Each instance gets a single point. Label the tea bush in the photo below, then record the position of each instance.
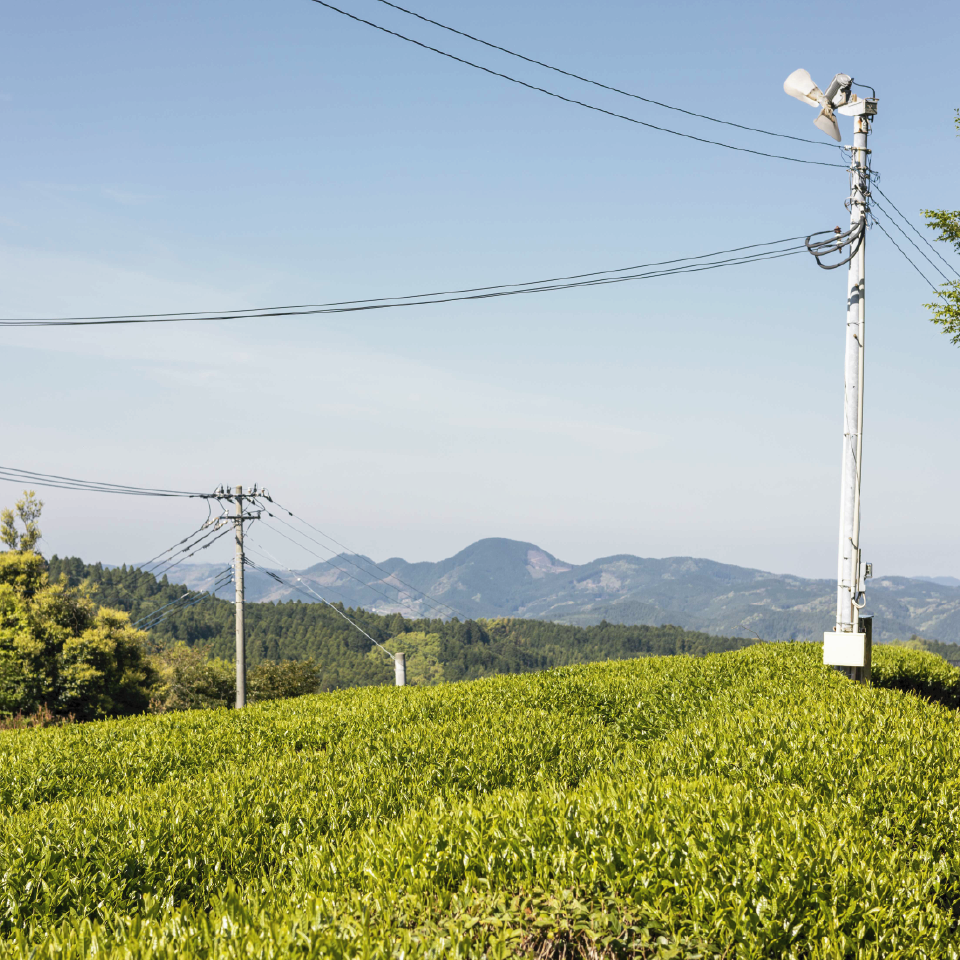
(917, 671)
(751, 804)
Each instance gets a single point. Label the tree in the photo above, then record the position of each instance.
(59, 651)
(423, 666)
(279, 679)
(191, 679)
(28, 510)
(946, 312)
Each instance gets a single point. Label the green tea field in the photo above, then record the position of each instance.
(749, 804)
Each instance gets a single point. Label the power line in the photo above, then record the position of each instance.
(436, 604)
(204, 546)
(416, 614)
(17, 475)
(262, 311)
(579, 103)
(189, 536)
(154, 619)
(595, 278)
(156, 565)
(332, 564)
(327, 602)
(909, 223)
(186, 606)
(912, 264)
(375, 565)
(604, 86)
(910, 240)
(221, 581)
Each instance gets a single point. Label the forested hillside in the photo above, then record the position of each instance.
(436, 649)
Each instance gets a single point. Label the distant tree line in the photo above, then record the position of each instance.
(437, 650)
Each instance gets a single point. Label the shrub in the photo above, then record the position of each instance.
(916, 671)
(281, 679)
(190, 679)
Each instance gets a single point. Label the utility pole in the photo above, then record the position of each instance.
(237, 496)
(238, 604)
(851, 572)
(847, 646)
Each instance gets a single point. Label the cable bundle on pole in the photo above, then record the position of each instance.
(837, 241)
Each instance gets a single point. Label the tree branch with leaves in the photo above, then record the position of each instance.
(946, 311)
(28, 510)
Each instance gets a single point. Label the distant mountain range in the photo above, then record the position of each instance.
(508, 578)
(943, 581)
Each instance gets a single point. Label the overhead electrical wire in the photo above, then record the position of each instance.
(267, 572)
(324, 600)
(189, 536)
(910, 240)
(186, 606)
(186, 556)
(152, 619)
(572, 100)
(604, 86)
(150, 616)
(692, 264)
(152, 566)
(330, 563)
(909, 223)
(222, 580)
(18, 475)
(387, 573)
(406, 603)
(912, 264)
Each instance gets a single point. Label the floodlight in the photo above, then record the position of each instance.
(800, 85)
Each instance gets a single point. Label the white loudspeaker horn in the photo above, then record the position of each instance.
(800, 85)
(827, 122)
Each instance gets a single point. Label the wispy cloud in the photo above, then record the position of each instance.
(128, 198)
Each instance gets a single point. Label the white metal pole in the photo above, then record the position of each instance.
(400, 669)
(238, 578)
(848, 560)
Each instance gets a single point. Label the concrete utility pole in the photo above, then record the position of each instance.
(238, 606)
(237, 496)
(850, 570)
(400, 669)
(847, 646)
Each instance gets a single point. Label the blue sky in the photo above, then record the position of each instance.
(205, 155)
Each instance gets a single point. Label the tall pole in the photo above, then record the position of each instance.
(849, 586)
(238, 606)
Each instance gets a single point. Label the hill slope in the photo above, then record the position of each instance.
(437, 650)
(510, 578)
(680, 807)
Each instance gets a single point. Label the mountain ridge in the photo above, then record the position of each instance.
(499, 577)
